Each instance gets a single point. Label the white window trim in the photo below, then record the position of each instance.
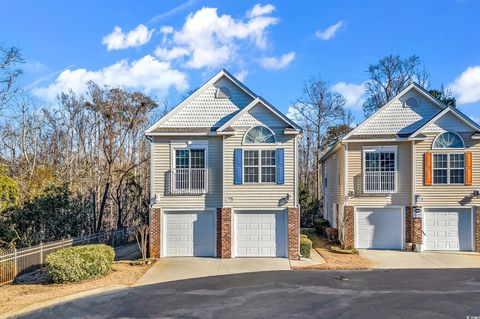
(259, 150)
(444, 148)
(448, 168)
(187, 145)
(265, 144)
(380, 149)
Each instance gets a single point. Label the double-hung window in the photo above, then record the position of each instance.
(259, 166)
(448, 168)
(380, 170)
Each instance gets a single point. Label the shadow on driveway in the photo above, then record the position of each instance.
(286, 294)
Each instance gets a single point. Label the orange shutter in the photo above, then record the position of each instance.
(468, 168)
(428, 169)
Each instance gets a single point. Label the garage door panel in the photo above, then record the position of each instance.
(379, 228)
(189, 234)
(448, 229)
(260, 233)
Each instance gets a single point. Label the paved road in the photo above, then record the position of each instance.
(382, 294)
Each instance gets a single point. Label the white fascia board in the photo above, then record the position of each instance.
(179, 134)
(462, 117)
(386, 140)
(240, 113)
(214, 79)
(252, 104)
(290, 132)
(413, 85)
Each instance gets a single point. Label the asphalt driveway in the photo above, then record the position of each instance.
(433, 293)
(396, 259)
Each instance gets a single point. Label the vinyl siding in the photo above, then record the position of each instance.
(404, 175)
(447, 195)
(255, 195)
(161, 165)
(334, 171)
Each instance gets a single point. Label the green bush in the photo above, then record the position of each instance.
(305, 246)
(80, 262)
(321, 224)
(308, 231)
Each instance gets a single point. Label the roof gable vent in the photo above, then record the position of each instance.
(222, 93)
(412, 102)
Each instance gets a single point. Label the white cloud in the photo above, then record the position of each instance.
(354, 94)
(466, 87)
(146, 74)
(211, 40)
(118, 40)
(273, 63)
(170, 54)
(293, 113)
(259, 10)
(242, 75)
(329, 32)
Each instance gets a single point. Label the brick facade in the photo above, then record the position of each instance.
(417, 234)
(224, 232)
(408, 224)
(293, 233)
(154, 228)
(349, 227)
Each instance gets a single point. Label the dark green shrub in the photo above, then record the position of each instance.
(305, 246)
(80, 262)
(321, 224)
(308, 231)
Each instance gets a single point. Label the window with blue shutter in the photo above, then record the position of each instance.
(280, 166)
(237, 163)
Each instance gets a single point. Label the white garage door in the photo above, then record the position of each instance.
(379, 228)
(260, 234)
(189, 233)
(448, 229)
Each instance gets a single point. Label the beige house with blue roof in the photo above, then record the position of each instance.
(408, 176)
(224, 176)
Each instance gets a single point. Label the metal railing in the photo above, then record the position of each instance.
(15, 262)
(189, 181)
(380, 182)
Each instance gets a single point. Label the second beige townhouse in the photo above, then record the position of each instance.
(408, 177)
(224, 176)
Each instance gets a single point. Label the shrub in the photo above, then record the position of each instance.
(308, 231)
(80, 262)
(321, 224)
(305, 246)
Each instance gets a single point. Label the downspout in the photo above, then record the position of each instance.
(295, 188)
(345, 186)
(413, 188)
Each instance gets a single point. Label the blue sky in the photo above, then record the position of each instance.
(166, 48)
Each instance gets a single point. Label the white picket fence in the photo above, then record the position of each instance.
(21, 261)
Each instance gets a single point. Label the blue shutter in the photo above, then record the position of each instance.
(279, 154)
(237, 164)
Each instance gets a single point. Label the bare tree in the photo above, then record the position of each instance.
(10, 58)
(389, 76)
(316, 111)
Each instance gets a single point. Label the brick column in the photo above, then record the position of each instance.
(293, 233)
(224, 232)
(477, 229)
(408, 224)
(154, 228)
(417, 234)
(349, 227)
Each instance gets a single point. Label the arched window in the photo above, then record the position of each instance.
(259, 135)
(448, 140)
